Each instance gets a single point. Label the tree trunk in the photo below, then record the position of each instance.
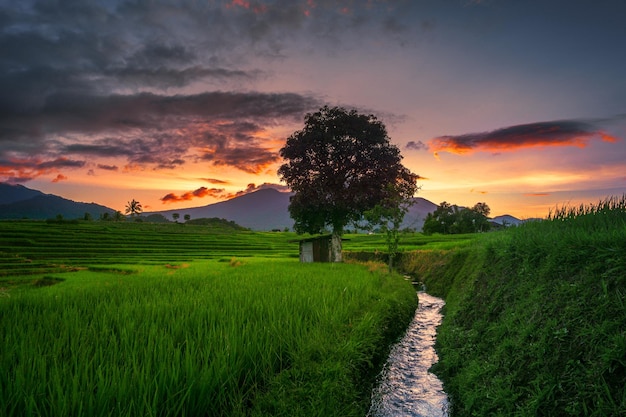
(335, 248)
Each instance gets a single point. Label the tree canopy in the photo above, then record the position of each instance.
(450, 219)
(340, 165)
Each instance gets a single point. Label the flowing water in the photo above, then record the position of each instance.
(405, 386)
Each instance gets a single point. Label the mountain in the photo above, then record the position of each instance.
(19, 202)
(264, 209)
(267, 209)
(414, 218)
(12, 193)
(507, 220)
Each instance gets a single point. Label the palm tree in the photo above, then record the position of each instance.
(133, 207)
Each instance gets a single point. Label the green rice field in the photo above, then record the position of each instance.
(127, 319)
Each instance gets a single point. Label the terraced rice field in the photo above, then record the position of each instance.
(103, 318)
(31, 247)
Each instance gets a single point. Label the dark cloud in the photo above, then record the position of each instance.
(104, 79)
(554, 133)
(108, 46)
(417, 146)
(215, 181)
(161, 77)
(252, 159)
(108, 167)
(60, 163)
(226, 129)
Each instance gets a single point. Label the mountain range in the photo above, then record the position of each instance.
(19, 202)
(265, 209)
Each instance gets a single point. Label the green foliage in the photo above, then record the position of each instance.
(155, 218)
(535, 317)
(449, 218)
(340, 165)
(251, 337)
(388, 215)
(217, 223)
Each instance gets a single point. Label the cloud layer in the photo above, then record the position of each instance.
(553, 133)
(158, 83)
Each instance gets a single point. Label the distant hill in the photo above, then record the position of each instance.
(417, 213)
(507, 220)
(19, 202)
(264, 209)
(13, 193)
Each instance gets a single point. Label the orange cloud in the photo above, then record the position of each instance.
(608, 138)
(478, 192)
(198, 193)
(555, 133)
(536, 194)
(16, 170)
(219, 193)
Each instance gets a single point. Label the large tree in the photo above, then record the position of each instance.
(340, 165)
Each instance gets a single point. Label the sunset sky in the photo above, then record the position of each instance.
(518, 104)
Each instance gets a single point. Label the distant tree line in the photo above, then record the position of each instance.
(451, 219)
(116, 216)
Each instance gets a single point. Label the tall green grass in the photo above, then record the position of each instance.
(535, 321)
(244, 337)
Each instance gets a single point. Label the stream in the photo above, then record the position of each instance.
(405, 387)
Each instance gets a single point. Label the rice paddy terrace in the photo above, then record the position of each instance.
(31, 247)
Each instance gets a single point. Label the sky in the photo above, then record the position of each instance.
(518, 104)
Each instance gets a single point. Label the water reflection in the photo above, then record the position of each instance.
(406, 388)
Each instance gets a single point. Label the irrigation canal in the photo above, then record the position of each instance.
(405, 386)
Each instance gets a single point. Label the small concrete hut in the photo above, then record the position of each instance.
(315, 249)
